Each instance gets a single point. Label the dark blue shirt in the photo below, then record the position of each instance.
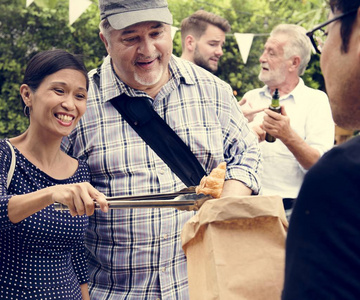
(41, 257)
(323, 243)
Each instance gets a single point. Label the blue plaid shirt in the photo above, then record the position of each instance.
(136, 253)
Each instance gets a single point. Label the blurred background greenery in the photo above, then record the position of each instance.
(45, 24)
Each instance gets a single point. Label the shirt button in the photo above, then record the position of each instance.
(163, 269)
(165, 236)
(158, 299)
(162, 171)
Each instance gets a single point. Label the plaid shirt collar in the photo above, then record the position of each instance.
(114, 86)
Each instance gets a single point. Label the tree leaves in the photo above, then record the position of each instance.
(44, 25)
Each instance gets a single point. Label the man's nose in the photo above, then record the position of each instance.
(146, 47)
(219, 51)
(262, 58)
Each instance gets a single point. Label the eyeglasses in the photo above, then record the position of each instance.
(318, 34)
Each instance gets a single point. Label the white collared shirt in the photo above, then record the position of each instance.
(310, 116)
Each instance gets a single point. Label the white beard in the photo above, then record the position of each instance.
(273, 77)
(148, 79)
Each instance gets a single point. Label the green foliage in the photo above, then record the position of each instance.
(24, 32)
(257, 17)
(44, 25)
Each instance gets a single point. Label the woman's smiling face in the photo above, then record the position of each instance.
(58, 103)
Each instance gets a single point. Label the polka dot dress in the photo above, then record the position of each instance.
(41, 257)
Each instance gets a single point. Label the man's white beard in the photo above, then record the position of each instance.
(273, 77)
(148, 79)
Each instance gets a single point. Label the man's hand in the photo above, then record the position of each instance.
(249, 112)
(278, 125)
(260, 132)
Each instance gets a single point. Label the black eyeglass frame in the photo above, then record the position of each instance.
(310, 33)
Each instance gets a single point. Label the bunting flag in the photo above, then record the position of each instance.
(244, 41)
(28, 2)
(76, 8)
(173, 31)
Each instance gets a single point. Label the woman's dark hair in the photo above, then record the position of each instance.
(49, 62)
(346, 22)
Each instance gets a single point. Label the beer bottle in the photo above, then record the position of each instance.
(274, 106)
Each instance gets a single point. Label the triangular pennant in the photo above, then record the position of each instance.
(173, 31)
(244, 41)
(28, 2)
(76, 8)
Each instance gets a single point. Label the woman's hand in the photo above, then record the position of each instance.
(79, 198)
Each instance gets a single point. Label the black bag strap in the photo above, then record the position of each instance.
(141, 116)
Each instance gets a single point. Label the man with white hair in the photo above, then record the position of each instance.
(304, 130)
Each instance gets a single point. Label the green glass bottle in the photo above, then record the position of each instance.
(274, 106)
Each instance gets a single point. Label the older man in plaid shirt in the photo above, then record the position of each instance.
(136, 253)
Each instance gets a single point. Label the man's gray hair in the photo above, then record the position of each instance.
(106, 29)
(298, 43)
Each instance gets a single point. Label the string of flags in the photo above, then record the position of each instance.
(78, 7)
(243, 40)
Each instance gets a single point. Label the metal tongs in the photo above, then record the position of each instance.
(185, 199)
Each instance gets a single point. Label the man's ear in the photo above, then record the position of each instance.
(190, 43)
(295, 63)
(104, 40)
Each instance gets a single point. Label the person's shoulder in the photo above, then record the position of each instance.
(185, 66)
(316, 92)
(83, 167)
(352, 146)
(337, 169)
(95, 74)
(343, 155)
(5, 151)
(82, 164)
(4, 145)
(312, 98)
(253, 92)
(195, 73)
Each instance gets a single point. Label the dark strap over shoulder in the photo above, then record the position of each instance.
(141, 116)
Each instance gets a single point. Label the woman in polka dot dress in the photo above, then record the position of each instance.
(41, 249)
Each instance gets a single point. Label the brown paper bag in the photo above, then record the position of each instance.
(235, 248)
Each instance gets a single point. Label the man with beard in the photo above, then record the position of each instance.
(137, 253)
(304, 130)
(203, 38)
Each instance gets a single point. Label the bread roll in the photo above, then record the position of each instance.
(214, 182)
